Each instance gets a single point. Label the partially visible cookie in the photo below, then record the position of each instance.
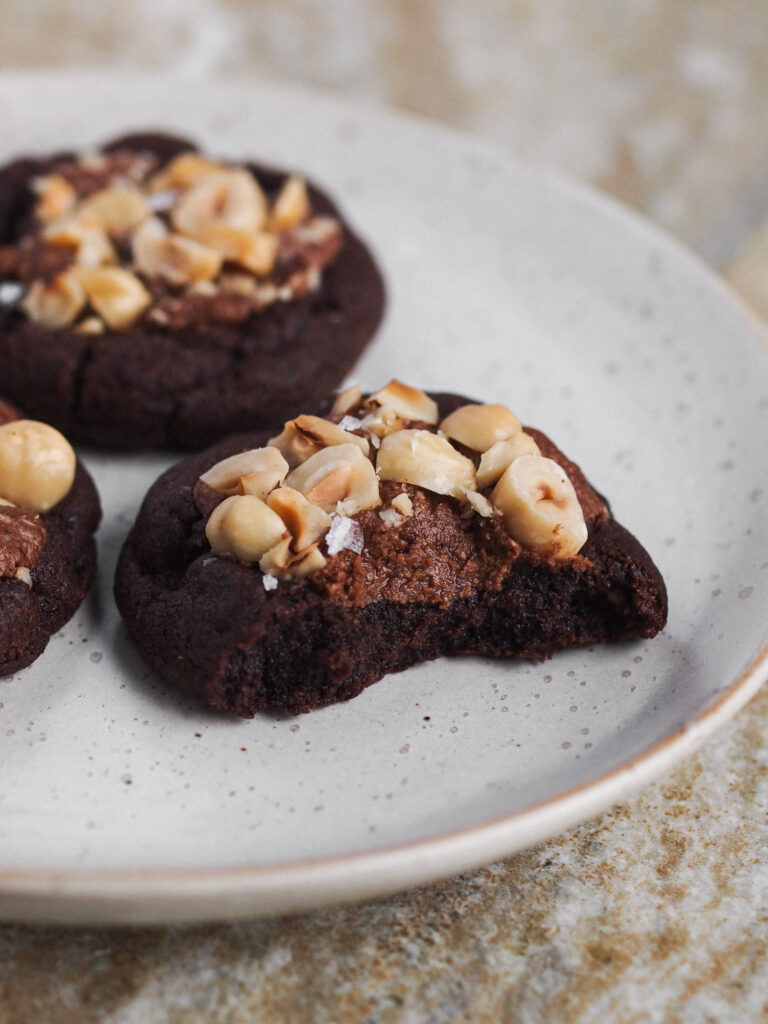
(49, 510)
(290, 572)
(150, 295)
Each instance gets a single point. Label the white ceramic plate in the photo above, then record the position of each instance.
(120, 801)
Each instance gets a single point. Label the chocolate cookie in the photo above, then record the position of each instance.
(152, 296)
(289, 573)
(49, 510)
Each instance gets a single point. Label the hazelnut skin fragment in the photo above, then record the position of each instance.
(22, 539)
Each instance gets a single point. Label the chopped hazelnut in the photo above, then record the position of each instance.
(37, 464)
(116, 210)
(479, 427)
(305, 435)
(254, 250)
(480, 504)
(91, 325)
(306, 522)
(291, 205)
(243, 527)
(57, 304)
(116, 294)
(337, 478)
(281, 560)
(407, 402)
(255, 472)
(228, 199)
(423, 458)
(348, 399)
(184, 171)
(381, 422)
(540, 507)
(402, 502)
(56, 197)
(172, 257)
(494, 461)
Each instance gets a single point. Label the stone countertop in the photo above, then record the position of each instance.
(657, 910)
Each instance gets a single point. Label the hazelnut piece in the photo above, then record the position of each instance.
(243, 527)
(37, 464)
(427, 460)
(291, 205)
(254, 472)
(84, 234)
(172, 257)
(306, 522)
(402, 503)
(496, 459)
(540, 507)
(183, 171)
(254, 250)
(57, 304)
(91, 325)
(306, 435)
(94, 249)
(228, 198)
(281, 560)
(380, 422)
(116, 294)
(479, 427)
(239, 283)
(348, 399)
(407, 402)
(56, 197)
(116, 210)
(340, 474)
(480, 504)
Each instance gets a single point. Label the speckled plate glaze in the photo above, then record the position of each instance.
(122, 802)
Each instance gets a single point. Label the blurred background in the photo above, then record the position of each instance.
(664, 103)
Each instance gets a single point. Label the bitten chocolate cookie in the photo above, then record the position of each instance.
(292, 572)
(49, 510)
(150, 295)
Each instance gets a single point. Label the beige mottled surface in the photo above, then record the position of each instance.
(657, 911)
(662, 102)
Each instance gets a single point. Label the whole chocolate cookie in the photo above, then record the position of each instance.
(49, 510)
(292, 572)
(152, 296)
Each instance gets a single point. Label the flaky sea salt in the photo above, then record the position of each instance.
(160, 202)
(269, 581)
(344, 533)
(10, 292)
(350, 423)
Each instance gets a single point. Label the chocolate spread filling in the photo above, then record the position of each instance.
(442, 552)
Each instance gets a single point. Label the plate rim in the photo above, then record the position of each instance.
(154, 896)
